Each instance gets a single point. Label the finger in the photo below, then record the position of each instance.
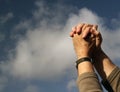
(95, 27)
(86, 25)
(79, 28)
(86, 32)
(74, 29)
(71, 34)
(94, 30)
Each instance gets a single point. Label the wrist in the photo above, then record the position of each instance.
(85, 67)
(97, 53)
(82, 56)
(103, 64)
(82, 60)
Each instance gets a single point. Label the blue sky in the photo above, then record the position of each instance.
(36, 51)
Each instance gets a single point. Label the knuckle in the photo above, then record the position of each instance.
(73, 28)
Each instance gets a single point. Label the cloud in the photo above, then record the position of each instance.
(41, 55)
(4, 19)
(111, 44)
(46, 51)
(32, 88)
(71, 85)
(3, 82)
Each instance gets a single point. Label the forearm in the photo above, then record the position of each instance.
(112, 82)
(103, 64)
(87, 79)
(88, 82)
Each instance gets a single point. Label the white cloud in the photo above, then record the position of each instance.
(43, 54)
(4, 19)
(111, 43)
(46, 51)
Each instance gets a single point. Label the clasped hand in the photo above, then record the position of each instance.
(86, 40)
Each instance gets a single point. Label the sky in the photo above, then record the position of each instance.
(36, 52)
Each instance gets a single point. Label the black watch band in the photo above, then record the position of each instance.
(83, 60)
